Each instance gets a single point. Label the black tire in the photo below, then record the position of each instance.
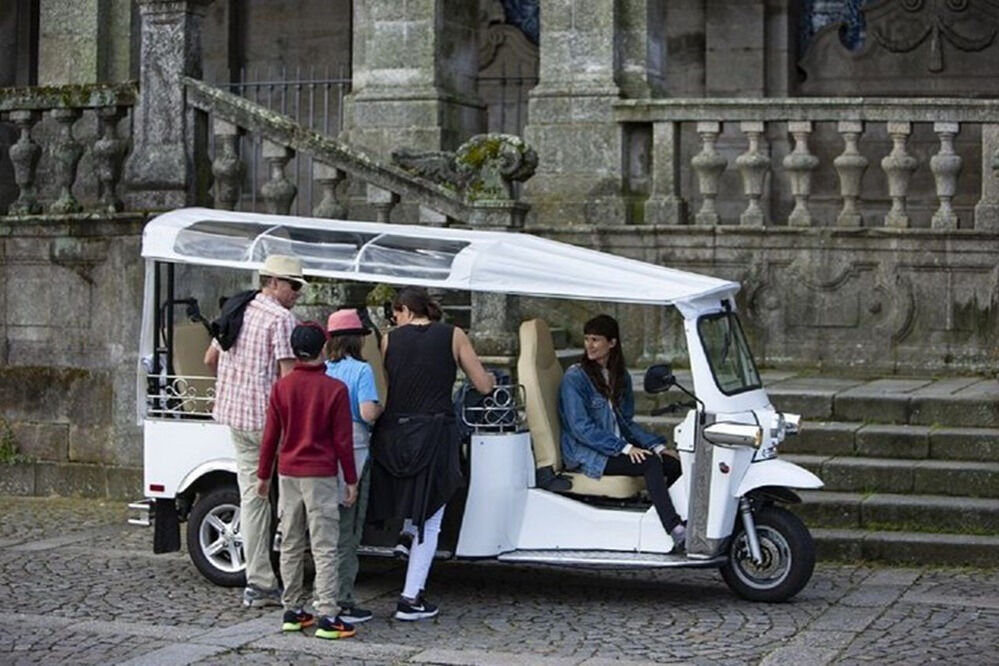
(788, 557)
(214, 509)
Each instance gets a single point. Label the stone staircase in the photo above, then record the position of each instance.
(911, 466)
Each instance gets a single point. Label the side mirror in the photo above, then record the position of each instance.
(659, 378)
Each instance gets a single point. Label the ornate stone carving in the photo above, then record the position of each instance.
(850, 166)
(227, 167)
(799, 164)
(915, 20)
(66, 153)
(708, 165)
(898, 165)
(279, 191)
(24, 156)
(753, 166)
(329, 180)
(987, 208)
(483, 168)
(945, 165)
(109, 152)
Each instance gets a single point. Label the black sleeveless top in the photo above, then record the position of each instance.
(421, 369)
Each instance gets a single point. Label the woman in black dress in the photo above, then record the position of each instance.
(415, 446)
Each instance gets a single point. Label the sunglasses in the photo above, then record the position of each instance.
(295, 286)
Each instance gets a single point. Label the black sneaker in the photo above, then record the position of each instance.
(296, 620)
(403, 545)
(421, 609)
(355, 615)
(332, 628)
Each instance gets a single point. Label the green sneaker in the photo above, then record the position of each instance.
(333, 628)
(296, 620)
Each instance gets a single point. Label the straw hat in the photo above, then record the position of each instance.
(283, 266)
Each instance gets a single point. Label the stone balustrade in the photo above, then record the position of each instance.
(687, 166)
(58, 152)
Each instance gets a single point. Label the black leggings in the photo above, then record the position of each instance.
(659, 473)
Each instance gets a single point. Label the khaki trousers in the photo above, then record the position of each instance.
(254, 511)
(309, 502)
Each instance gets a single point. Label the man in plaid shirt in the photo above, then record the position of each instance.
(246, 372)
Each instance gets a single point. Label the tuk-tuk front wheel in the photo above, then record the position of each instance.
(787, 563)
(213, 537)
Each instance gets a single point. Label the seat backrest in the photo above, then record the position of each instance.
(540, 373)
(373, 355)
(190, 340)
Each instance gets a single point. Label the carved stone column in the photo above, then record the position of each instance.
(946, 165)
(329, 179)
(799, 164)
(158, 172)
(66, 153)
(108, 153)
(279, 191)
(850, 165)
(753, 166)
(24, 156)
(708, 165)
(227, 167)
(898, 165)
(665, 205)
(987, 208)
(383, 202)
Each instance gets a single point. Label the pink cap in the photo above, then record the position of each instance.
(346, 322)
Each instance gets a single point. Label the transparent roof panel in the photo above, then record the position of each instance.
(403, 256)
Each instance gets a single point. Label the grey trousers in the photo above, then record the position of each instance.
(351, 531)
(254, 511)
(309, 502)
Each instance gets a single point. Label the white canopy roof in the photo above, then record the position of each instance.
(512, 263)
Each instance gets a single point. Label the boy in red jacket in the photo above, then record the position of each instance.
(309, 416)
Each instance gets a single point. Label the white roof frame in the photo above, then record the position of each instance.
(503, 262)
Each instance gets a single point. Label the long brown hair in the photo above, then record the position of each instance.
(419, 303)
(613, 387)
(342, 346)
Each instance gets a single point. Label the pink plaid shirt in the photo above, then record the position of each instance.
(249, 369)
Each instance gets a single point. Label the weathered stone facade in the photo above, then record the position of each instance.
(702, 135)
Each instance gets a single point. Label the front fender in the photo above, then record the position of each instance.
(218, 465)
(776, 473)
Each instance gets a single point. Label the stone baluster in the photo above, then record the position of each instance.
(66, 153)
(945, 165)
(329, 179)
(850, 166)
(228, 169)
(665, 205)
(987, 208)
(24, 156)
(383, 202)
(708, 165)
(799, 164)
(898, 165)
(753, 166)
(109, 154)
(279, 191)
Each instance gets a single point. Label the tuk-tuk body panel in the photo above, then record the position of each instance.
(176, 449)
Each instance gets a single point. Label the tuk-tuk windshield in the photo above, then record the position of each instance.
(728, 353)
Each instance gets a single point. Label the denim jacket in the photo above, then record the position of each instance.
(588, 437)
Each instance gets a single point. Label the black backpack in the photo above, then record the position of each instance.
(226, 327)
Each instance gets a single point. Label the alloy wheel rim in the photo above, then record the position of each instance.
(220, 539)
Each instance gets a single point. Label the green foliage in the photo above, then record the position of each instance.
(8, 445)
(380, 294)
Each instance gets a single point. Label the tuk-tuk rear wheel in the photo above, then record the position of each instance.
(213, 537)
(788, 557)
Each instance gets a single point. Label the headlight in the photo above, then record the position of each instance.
(734, 434)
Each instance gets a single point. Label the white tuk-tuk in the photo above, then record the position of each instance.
(733, 485)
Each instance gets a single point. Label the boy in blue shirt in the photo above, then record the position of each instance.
(348, 365)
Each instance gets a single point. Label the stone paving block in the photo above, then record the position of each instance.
(837, 544)
(17, 479)
(42, 441)
(124, 483)
(965, 444)
(975, 405)
(920, 549)
(968, 479)
(878, 401)
(868, 475)
(823, 508)
(833, 438)
(930, 513)
(70, 479)
(893, 441)
(487, 658)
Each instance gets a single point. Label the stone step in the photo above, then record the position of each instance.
(845, 438)
(888, 511)
(890, 475)
(907, 548)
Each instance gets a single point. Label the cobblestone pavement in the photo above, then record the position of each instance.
(83, 587)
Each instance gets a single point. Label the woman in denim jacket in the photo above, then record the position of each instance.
(599, 435)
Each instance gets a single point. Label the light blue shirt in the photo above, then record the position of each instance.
(360, 381)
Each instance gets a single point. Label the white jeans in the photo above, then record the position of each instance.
(421, 556)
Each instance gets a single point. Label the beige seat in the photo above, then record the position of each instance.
(539, 371)
(190, 340)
